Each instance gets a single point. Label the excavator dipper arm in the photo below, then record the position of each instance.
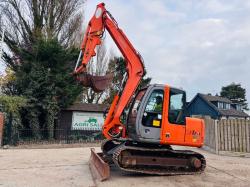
(102, 20)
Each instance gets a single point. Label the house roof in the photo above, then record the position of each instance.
(86, 107)
(223, 112)
(233, 113)
(215, 98)
(203, 96)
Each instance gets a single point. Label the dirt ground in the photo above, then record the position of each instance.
(69, 167)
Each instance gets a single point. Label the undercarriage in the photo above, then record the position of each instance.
(145, 158)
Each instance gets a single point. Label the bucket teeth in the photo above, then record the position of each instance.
(97, 83)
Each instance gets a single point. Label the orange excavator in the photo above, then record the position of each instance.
(154, 118)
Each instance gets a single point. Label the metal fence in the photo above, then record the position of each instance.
(62, 136)
(231, 135)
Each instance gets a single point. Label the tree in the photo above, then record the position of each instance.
(117, 66)
(10, 106)
(40, 35)
(236, 94)
(27, 21)
(45, 80)
(6, 82)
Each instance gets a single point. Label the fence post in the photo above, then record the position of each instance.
(247, 135)
(1, 128)
(67, 136)
(217, 140)
(9, 129)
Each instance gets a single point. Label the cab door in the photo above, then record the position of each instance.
(173, 128)
(150, 118)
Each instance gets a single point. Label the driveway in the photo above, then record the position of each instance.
(69, 167)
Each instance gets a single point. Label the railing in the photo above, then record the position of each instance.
(62, 136)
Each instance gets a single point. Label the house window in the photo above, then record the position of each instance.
(220, 105)
(227, 106)
(238, 107)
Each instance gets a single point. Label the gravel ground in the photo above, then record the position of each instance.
(69, 167)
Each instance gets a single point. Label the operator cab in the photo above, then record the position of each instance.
(147, 111)
(158, 115)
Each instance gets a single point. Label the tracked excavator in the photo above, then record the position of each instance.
(142, 124)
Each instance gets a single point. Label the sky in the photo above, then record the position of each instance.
(196, 45)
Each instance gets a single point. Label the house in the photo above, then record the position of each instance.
(216, 107)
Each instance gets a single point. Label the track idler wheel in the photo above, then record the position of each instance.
(195, 162)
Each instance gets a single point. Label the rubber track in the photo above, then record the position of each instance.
(161, 171)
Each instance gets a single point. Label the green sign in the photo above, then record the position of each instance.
(87, 121)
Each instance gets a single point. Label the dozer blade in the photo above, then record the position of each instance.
(97, 83)
(100, 170)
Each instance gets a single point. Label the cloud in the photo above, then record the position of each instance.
(198, 45)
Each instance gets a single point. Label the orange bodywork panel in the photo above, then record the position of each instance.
(189, 134)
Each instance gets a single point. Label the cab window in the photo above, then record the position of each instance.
(176, 106)
(152, 114)
(135, 107)
(136, 104)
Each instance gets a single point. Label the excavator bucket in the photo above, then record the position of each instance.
(97, 83)
(100, 170)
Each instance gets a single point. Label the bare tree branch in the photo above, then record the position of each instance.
(47, 19)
